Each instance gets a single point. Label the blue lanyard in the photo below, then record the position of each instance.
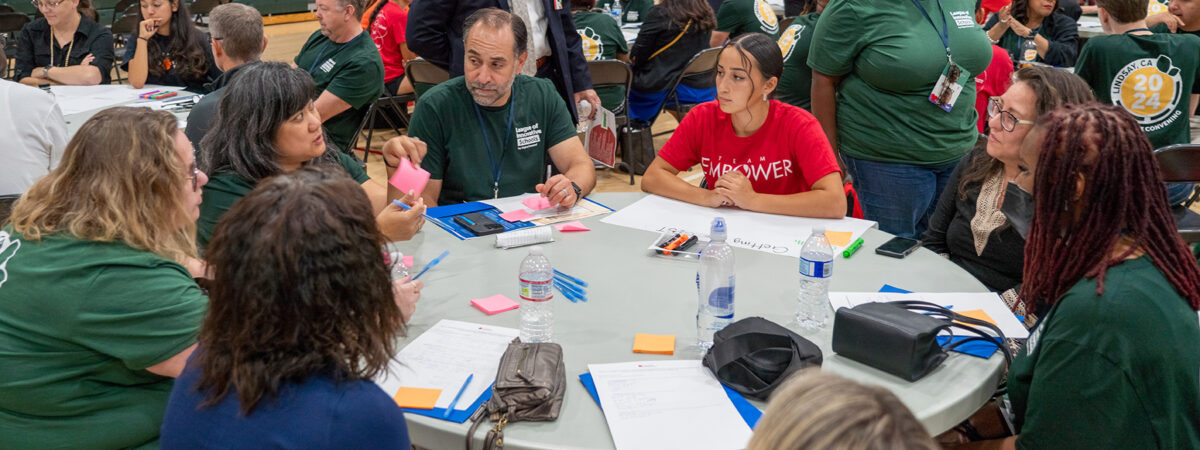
(326, 47)
(944, 33)
(497, 167)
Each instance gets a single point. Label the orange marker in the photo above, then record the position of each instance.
(676, 243)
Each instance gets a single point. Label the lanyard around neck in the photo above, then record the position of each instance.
(66, 59)
(943, 33)
(497, 166)
(317, 61)
(1137, 30)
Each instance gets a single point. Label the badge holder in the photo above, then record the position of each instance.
(948, 87)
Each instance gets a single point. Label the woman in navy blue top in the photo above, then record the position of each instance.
(301, 316)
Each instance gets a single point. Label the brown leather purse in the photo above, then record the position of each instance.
(530, 383)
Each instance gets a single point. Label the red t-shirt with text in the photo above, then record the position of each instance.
(388, 33)
(786, 156)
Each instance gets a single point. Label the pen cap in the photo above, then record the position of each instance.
(718, 229)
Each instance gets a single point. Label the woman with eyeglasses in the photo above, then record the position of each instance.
(63, 47)
(968, 226)
(166, 49)
(98, 307)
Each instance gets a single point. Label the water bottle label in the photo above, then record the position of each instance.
(816, 269)
(536, 291)
(722, 297)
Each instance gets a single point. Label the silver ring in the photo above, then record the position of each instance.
(564, 192)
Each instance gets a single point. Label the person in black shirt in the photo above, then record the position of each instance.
(63, 47)
(237, 40)
(167, 49)
(674, 32)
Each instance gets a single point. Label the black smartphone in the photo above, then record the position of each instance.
(479, 224)
(898, 247)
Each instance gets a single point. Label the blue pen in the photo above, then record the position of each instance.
(453, 403)
(574, 289)
(569, 294)
(570, 278)
(431, 264)
(406, 208)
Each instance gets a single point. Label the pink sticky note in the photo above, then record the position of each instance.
(408, 262)
(572, 226)
(536, 203)
(516, 216)
(409, 178)
(495, 304)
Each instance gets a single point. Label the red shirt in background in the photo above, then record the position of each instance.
(992, 82)
(992, 6)
(388, 33)
(786, 156)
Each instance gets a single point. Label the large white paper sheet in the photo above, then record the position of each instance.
(667, 404)
(770, 233)
(989, 302)
(443, 356)
(77, 99)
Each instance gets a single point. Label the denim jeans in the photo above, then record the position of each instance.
(900, 197)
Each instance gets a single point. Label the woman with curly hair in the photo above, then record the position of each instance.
(167, 49)
(301, 316)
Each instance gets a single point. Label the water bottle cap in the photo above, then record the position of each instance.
(718, 225)
(818, 229)
(535, 250)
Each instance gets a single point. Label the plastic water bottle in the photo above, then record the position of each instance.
(714, 280)
(584, 108)
(537, 281)
(1028, 52)
(616, 10)
(816, 266)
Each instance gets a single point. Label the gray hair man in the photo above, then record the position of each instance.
(237, 40)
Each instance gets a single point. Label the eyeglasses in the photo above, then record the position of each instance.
(48, 4)
(195, 176)
(1007, 119)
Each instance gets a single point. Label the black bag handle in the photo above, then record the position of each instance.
(731, 350)
(957, 320)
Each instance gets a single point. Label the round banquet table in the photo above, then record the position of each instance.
(632, 292)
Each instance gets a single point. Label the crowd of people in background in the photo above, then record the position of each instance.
(953, 121)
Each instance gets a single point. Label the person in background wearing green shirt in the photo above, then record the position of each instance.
(634, 11)
(744, 16)
(268, 124)
(346, 67)
(487, 133)
(1113, 363)
(602, 39)
(795, 88)
(98, 306)
(871, 89)
(1153, 76)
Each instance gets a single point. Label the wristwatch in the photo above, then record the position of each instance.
(578, 191)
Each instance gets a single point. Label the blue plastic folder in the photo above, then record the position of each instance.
(443, 216)
(748, 412)
(976, 348)
(459, 415)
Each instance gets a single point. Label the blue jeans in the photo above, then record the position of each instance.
(900, 197)
(644, 106)
(1177, 193)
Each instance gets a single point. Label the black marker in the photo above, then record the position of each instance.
(686, 245)
(664, 243)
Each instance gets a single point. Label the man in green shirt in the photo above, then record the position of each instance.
(795, 86)
(602, 39)
(346, 67)
(488, 133)
(744, 16)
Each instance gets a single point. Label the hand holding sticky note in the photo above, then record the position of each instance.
(657, 344)
(417, 398)
(409, 178)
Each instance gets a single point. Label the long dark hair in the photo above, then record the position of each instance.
(1020, 10)
(375, 13)
(1074, 232)
(698, 11)
(186, 49)
(1052, 88)
(262, 96)
(299, 289)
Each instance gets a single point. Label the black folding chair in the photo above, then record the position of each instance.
(1180, 163)
(610, 73)
(10, 26)
(201, 8)
(423, 75)
(6, 204)
(397, 103)
(703, 64)
(124, 23)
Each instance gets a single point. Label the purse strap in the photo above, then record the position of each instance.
(957, 320)
(673, 41)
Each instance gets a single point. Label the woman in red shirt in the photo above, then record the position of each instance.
(387, 23)
(757, 154)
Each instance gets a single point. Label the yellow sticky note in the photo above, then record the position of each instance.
(417, 398)
(978, 314)
(658, 344)
(838, 238)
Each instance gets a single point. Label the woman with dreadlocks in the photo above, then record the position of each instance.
(1115, 360)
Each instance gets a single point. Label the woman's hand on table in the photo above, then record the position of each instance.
(406, 294)
(734, 186)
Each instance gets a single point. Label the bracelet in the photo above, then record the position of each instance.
(143, 39)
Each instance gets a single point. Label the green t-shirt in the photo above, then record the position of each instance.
(634, 11)
(457, 153)
(1119, 370)
(795, 86)
(226, 188)
(353, 71)
(747, 16)
(1150, 76)
(80, 321)
(890, 57)
(602, 39)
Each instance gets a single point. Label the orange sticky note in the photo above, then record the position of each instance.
(417, 398)
(978, 314)
(838, 238)
(658, 344)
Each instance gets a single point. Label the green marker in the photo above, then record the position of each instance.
(849, 251)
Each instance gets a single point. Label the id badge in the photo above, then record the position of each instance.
(949, 85)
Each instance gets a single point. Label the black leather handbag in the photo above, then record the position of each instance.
(900, 338)
(754, 355)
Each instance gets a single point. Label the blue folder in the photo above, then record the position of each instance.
(443, 216)
(459, 415)
(749, 413)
